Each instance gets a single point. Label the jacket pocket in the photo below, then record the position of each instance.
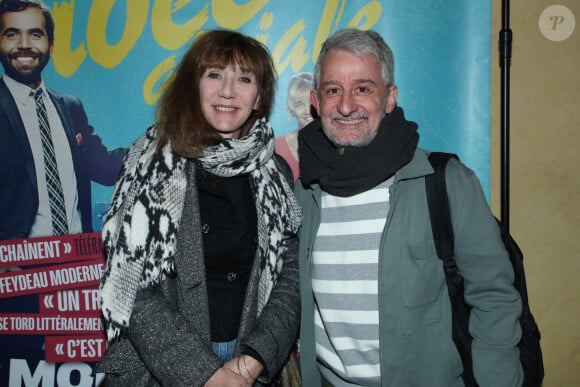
(430, 357)
(123, 367)
(138, 377)
(421, 275)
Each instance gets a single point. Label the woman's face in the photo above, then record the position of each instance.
(301, 110)
(228, 97)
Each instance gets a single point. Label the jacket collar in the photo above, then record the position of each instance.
(419, 166)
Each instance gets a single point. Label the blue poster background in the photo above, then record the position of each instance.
(441, 48)
(115, 55)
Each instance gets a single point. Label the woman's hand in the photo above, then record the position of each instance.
(245, 366)
(224, 377)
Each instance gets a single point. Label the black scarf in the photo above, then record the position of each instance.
(349, 170)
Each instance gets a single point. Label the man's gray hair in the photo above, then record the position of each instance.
(361, 43)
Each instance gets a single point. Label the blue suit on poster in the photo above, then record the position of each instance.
(26, 45)
(19, 194)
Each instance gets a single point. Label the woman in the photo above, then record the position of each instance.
(201, 283)
(298, 106)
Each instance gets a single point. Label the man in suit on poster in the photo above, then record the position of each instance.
(78, 157)
(26, 43)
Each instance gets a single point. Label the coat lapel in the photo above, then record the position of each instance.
(67, 124)
(189, 261)
(17, 126)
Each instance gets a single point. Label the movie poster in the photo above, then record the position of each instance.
(115, 56)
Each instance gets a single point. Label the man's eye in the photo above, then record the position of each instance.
(332, 91)
(362, 90)
(37, 35)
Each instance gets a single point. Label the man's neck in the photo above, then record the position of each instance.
(33, 84)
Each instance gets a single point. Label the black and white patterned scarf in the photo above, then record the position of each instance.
(141, 226)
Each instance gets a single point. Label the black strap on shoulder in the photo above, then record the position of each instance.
(439, 211)
(441, 225)
(439, 205)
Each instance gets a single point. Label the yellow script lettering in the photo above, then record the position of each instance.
(297, 56)
(107, 55)
(324, 26)
(169, 35)
(153, 80)
(66, 62)
(370, 12)
(228, 14)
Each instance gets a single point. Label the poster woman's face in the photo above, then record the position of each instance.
(301, 110)
(228, 96)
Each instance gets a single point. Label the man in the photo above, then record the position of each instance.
(375, 309)
(26, 43)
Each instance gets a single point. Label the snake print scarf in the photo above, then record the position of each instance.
(141, 225)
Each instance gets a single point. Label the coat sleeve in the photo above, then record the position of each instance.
(276, 329)
(484, 263)
(102, 164)
(171, 350)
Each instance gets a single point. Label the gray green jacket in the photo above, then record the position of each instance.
(416, 348)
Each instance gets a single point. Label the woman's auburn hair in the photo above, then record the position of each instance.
(179, 118)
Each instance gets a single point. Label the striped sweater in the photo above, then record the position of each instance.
(344, 282)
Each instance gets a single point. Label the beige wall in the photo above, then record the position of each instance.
(545, 176)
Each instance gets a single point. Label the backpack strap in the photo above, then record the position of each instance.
(440, 215)
(439, 212)
(439, 205)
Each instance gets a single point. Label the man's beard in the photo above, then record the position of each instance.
(364, 140)
(25, 74)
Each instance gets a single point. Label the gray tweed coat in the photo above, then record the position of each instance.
(168, 341)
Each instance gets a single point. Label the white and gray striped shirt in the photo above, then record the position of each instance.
(344, 282)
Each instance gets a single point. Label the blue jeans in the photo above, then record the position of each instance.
(224, 350)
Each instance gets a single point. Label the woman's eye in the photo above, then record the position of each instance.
(245, 79)
(213, 75)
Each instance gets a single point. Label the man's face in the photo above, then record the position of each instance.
(352, 98)
(24, 47)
